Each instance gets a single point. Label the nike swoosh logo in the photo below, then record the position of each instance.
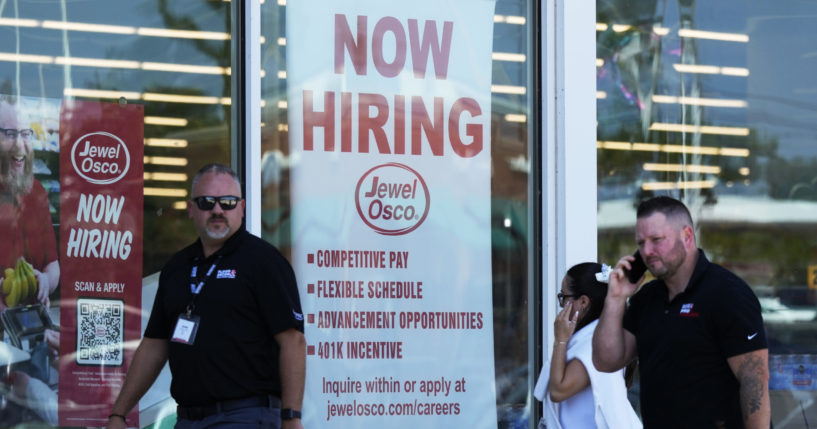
(749, 337)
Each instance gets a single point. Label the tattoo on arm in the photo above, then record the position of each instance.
(751, 383)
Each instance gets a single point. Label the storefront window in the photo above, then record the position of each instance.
(171, 60)
(508, 209)
(712, 103)
(172, 57)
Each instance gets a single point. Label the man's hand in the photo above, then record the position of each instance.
(43, 288)
(48, 280)
(52, 338)
(613, 346)
(619, 286)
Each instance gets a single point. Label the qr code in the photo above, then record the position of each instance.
(100, 330)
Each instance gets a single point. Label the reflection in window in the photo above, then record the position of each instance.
(173, 57)
(713, 102)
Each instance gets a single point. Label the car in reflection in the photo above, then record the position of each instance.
(513, 409)
(774, 311)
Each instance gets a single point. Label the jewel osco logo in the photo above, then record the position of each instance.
(392, 199)
(101, 158)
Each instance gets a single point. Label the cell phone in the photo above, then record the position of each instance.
(638, 268)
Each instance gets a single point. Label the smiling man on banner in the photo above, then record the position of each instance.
(29, 268)
(25, 218)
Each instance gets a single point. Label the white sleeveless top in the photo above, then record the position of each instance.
(578, 411)
(603, 405)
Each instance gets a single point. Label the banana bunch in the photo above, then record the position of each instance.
(20, 283)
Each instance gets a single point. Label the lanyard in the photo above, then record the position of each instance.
(195, 288)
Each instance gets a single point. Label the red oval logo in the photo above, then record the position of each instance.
(100, 158)
(392, 199)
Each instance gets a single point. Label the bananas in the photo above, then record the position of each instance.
(20, 283)
(8, 281)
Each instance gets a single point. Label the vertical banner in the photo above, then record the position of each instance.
(101, 180)
(389, 122)
(29, 263)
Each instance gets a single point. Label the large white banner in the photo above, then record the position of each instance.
(389, 122)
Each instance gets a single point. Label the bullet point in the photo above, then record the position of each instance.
(310, 258)
(310, 288)
(310, 318)
(310, 350)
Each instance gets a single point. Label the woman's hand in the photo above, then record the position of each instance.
(565, 324)
(566, 378)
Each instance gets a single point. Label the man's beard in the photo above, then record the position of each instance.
(16, 184)
(673, 261)
(218, 235)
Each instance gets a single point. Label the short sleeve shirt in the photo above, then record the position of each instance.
(683, 347)
(250, 296)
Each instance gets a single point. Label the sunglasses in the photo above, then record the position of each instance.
(562, 297)
(226, 202)
(13, 133)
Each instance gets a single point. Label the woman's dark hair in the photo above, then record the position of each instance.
(581, 280)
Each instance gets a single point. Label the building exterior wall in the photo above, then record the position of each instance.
(593, 107)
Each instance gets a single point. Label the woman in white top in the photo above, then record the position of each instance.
(576, 395)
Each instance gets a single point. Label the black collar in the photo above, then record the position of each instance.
(229, 246)
(698, 273)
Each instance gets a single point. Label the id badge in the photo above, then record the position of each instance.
(186, 328)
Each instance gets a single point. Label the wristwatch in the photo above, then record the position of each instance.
(289, 414)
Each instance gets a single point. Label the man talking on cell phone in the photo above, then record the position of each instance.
(696, 330)
(227, 317)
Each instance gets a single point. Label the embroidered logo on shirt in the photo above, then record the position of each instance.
(749, 337)
(225, 274)
(686, 310)
(298, 316)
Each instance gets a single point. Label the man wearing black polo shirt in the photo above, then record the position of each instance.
(227, 317)
(697, 330)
